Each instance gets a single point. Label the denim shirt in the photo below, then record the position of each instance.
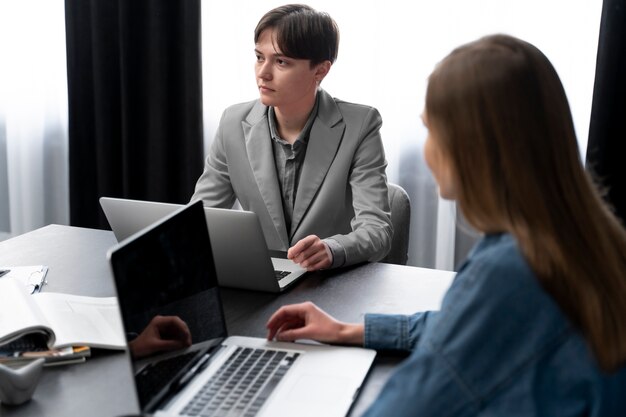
(499, 346)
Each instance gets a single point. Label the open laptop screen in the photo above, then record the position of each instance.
(155, 271)
(168, 270)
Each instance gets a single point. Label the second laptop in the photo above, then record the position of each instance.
(241, 255)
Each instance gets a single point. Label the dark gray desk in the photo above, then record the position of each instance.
(102, 385)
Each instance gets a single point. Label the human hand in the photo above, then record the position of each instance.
(311, 253)
(307, 321)
(162, 334)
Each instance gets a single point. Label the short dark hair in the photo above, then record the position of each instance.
(302, 32)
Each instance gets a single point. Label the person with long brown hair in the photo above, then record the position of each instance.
(534, 323)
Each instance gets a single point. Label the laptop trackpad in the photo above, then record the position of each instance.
(311, 387)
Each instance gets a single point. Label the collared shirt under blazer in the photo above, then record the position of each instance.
(342, 193)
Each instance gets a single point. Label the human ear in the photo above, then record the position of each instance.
(321, 70)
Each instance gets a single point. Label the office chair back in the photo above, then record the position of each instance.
(401, 221)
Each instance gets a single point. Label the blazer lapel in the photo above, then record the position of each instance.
(261, 158)
(324, 139)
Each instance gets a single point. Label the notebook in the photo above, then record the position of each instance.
(239, 249)
(165, 271)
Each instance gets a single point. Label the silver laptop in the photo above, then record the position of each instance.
(165, 271)
(239, 248)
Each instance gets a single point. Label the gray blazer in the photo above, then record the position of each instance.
(342, 192)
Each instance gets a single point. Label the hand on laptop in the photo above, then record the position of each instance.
(311, 253)
(162, 334)
(308, 321)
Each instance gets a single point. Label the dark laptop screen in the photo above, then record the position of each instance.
(168, 270)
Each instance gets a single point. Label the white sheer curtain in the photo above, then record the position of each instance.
(33, 116)
(387, 50)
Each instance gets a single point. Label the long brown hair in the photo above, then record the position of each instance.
(502, 116)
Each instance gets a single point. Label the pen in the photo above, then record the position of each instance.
(3, 272)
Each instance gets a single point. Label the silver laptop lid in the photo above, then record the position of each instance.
(241, 255)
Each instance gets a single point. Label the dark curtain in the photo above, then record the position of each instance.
(135, 102)
(606, 157)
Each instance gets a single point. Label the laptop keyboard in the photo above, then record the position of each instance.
(281, 274)
(242, 384)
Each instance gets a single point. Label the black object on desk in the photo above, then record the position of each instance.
(3, 272)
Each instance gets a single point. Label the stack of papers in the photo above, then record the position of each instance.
(62, 328)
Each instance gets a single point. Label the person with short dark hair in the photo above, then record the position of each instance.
(534, 323)
(312, 167)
